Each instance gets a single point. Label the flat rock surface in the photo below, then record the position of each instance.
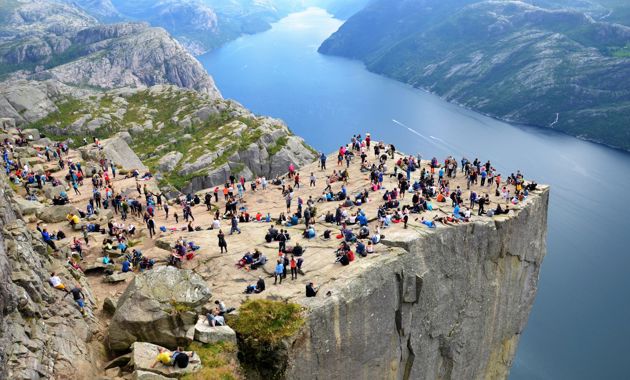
(143, 356)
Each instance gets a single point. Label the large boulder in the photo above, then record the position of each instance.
(158, 306)
(55, 214)
(118, 277)
(205, 333)
(51, 191)
(114, 149)
(28, 207)
(169, 161)
(143, 356)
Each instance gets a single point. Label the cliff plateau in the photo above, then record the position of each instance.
(451, 305)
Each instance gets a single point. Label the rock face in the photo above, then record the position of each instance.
(28, 101)
(116, 150)
(42, 335)
(140, 56)
(451, 307)
(55, 214)
(159, 306)
(48, 40)
(269, 154)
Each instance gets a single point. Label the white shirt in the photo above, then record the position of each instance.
(55, 281)
(216, 224)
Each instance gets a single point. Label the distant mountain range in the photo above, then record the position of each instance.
(203, 25)
(561, 64)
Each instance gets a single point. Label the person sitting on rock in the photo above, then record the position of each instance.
(126, 265)
(73, 219)
(360, 248)
(258, 260)
(222, 308)
(309, 233)
(214, 319)
(56, 282)
(311, 290)
(258, 288)
(177, 358)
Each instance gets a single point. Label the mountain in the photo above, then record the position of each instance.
(549, 67)
(70, 76)
(51, 40)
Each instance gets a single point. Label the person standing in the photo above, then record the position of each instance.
(151, 227)
(322, 161)
(222, 242)
(234, 225)
(293, 265)
(312, 184)
(278, 272)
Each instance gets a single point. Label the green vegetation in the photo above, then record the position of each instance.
(268, 322)
(621, 52)
(278, 145)
(170, 112)
(180, 307)
(217, 360)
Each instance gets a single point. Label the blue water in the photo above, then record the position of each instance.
(579, 327)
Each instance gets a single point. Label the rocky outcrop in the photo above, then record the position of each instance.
(143, 356)
(269, 155)
(141, 56)
(42, 334)
(28, 101)
(207, 334)
(49, 40)
(451, 305)
(55, 214)
(159, 306)
(115, 150)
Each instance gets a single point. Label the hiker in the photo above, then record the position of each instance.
(48, 239)
(311, 290)
(56, 282)
(293, 266)
(222, 308)
(214, 319)
(79, 298)
(234, 227)
(222, 242)
(177, 358)
(151, 227)
(279, 272)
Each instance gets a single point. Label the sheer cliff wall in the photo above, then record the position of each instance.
(451, 305)
(42, 334)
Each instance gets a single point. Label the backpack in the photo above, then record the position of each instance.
(181, 360)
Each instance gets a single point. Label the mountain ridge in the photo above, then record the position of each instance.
(549, 68)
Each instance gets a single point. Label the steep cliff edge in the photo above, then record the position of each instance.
(42, 334)
(450, 305)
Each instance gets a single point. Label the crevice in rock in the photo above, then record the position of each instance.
(411, 356)
(446, 364)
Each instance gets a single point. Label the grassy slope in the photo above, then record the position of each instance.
(167, 110)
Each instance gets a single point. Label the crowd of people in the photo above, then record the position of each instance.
(399, 191)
